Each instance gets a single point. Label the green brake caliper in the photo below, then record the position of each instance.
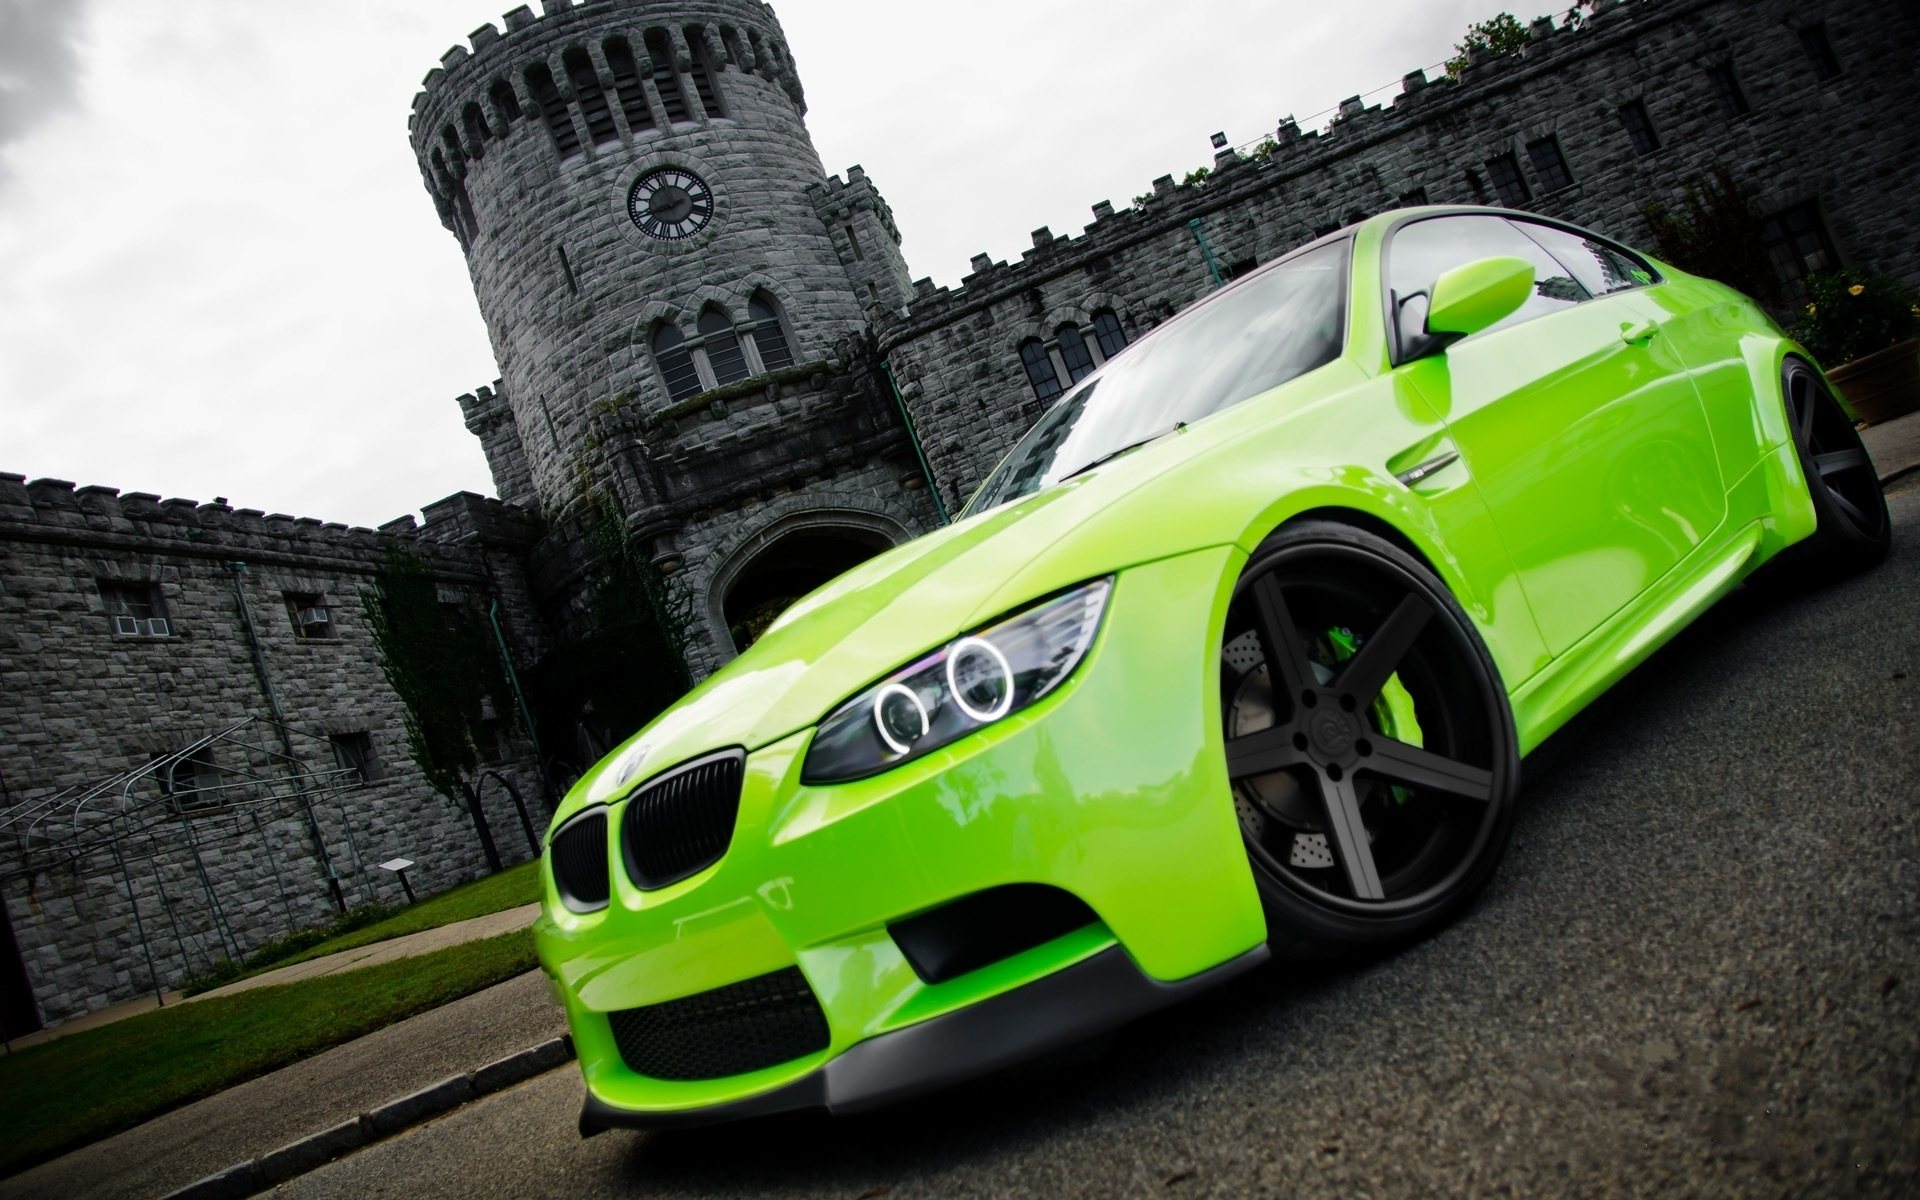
(1392, 711)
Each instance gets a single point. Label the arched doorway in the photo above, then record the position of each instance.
(787, 561)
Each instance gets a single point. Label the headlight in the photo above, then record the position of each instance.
(970, 682)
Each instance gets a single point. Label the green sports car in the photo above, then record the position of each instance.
(1235, 654)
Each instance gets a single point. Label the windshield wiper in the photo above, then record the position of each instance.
(1110, 455)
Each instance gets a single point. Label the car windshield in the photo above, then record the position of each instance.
(1279, 324)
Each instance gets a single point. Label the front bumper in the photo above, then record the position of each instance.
(1113, 789)
(1086, 999)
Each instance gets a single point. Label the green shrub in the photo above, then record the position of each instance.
(1852, 313)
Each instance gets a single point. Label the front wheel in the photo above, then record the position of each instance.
(1854, 531)
(1368, 738)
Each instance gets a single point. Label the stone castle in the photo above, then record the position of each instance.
(704, 334)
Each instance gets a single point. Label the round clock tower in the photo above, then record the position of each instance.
(676, 293)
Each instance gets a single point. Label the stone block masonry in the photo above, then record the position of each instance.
(1550, 130)
(88, 697)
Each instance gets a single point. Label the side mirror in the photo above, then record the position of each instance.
(1472, 297)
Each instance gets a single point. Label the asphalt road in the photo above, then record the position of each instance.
(1698, 972)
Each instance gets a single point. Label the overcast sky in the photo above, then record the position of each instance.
(220, 274)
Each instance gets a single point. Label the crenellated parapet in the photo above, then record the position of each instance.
(861, 224)
(588, 75)
(1329, 164)
(113, 522)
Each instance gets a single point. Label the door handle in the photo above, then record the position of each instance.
(1638, 332)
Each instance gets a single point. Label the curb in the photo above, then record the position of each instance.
(395, 1116)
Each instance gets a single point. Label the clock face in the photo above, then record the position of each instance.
(670, 204)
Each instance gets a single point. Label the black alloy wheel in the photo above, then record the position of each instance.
(1854, 531)
(1368, 738)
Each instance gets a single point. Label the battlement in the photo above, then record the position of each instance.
(481, 88)
(56, 510)
(837, 199)
(1276, 160)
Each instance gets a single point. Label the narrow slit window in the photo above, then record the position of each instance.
(626, 84)
(1639, 126)
(1040, 371)
(675, 361)
(1726, 87)
(666, 80)
(723, 347)
(1549, 164)
(1819, 48)
(593, 101)
(504, 101)
(476, 127)
(566, 269)
(566, 139)
(853, 241)
(704, 84)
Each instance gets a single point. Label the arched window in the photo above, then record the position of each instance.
(504, 101)
(626, 84)
(765, 332)
(1040, 372)
(566, 140)
(704, 84)
(1107, 333)
(675, 361)
(476, 127)
(1074, 353)
(723, 347)
(593, 101)
(665, 78)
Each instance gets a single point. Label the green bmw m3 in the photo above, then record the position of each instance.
(1236, 654)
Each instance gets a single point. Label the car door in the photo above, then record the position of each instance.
(1580, 426)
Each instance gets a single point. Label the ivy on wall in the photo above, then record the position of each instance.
(443, 665)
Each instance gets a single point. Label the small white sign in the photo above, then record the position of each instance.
(396, 864)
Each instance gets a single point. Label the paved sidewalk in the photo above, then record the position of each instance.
(1894, 446)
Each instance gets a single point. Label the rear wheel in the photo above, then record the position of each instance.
(1368, 738)
(1854, 530)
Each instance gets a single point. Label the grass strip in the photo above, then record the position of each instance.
(83, 1087)
(506, 889)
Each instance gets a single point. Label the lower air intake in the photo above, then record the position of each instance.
(731, 1030)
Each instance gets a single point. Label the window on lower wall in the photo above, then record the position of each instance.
(765, 332)
(1074, 353)
(310, 614)
(1726, 88)
(1549, 164)
(189, 782)
(1107, 333)
(1639, 126)
(1819, 48)
(354, 752)
(722, 351)
(134, 609)
(1798, 245)
(1509, 185)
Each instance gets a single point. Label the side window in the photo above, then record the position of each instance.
(1425, 250)
(1600, 268)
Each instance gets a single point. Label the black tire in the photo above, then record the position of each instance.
(1855, 531)
(1360, 839)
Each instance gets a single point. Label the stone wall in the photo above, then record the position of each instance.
(83, 702)
(1845, 144)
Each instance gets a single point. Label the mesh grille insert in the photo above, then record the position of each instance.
(681, 822)
(579, 856)
(730, 1030)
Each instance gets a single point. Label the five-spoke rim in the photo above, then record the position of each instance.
(1838, 463)
(1403, 817)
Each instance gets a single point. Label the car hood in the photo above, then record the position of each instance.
(889, 610)
(878, 616)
